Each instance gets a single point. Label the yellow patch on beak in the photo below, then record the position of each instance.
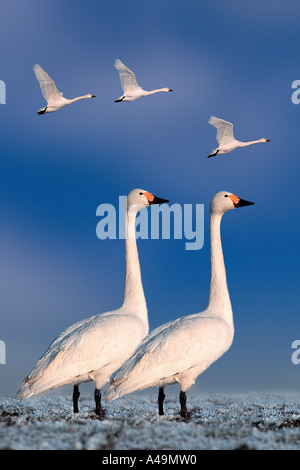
(234, 199)
(149, 197)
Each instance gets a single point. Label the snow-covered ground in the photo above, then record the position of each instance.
(242, 421)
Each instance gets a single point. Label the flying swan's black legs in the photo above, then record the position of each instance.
(42, 111)
(213, 154)
(183, 412)
(76, 395)
(99, 410)
(161, 397)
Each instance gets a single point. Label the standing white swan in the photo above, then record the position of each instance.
(180, 350)
(54, 98)
(225, 137)
(132, 91)
(94, 348)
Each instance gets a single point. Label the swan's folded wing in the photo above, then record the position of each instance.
(82, 349)
(127, 77)
(224, 129)
(47, 85)
(163, 356)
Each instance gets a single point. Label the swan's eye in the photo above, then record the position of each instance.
(140, 194)
(226, 195)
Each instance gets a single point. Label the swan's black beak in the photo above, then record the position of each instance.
(243, 202)
(158, 200)
(268, 140)
(93, 96)
(170, 89)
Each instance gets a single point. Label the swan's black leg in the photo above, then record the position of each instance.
(99, 410)
(161, 397)
(43, 111)
(76, 395)
(213, 154)
(183, 412)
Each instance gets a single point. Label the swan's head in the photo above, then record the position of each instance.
(137, 199)
(167, 89)
(224, 201)
(90, 96)
(265, 140)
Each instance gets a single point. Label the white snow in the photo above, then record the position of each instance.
(224, 421)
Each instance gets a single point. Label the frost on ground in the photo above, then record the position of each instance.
(226, 421)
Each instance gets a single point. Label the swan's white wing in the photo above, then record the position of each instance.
(47, 85)
(224, 129)
(127, 77)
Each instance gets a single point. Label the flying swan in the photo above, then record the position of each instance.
(94, 348)
(54, 98)
(180, 350)
(132, 91)
(225, 137)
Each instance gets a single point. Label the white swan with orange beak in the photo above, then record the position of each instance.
(94, 348)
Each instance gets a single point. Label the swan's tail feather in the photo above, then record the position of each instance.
(41, 381)
(36, 385)
(122, 387)
(116, 391)
(130, 379)
(26, 388)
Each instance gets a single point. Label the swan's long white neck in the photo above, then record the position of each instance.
(245, 144)
(155, 91)
(134, 298)
(79, 98)
(219, 300)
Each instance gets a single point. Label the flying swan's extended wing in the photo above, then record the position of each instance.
(47, 85)
(127, 77)
(224, 129)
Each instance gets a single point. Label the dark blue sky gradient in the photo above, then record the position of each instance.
(234, 60)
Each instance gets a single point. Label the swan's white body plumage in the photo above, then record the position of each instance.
(180, 350)
(176, 352)
(55, 99)
(94, 348)
(225, 137)
(91, 349)
(132, 91)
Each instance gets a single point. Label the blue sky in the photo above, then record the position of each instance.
(230, 59)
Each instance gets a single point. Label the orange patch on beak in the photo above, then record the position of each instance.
(234, 199)
(149, 196)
